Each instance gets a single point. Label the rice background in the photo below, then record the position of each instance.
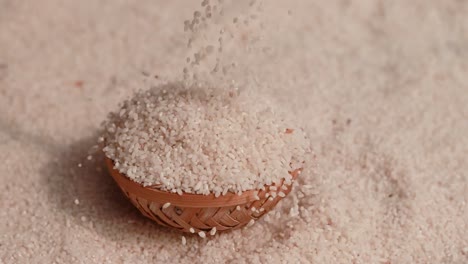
(381, 87)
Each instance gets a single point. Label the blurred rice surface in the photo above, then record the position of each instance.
(381, 86)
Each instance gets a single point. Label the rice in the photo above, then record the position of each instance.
(203, 140)
(256, 196)
(202, 234)
(213, 231)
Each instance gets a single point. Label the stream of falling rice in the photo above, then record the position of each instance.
(224, 38)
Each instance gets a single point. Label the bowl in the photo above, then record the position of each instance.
(197, 213)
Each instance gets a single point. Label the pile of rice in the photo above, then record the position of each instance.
(203, 140)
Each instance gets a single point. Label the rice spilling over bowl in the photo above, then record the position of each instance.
(203, 140)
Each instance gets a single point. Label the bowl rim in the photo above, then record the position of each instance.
(153, 194)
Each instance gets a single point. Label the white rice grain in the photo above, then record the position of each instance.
(256, 197)
(202, 234)
(213, 231)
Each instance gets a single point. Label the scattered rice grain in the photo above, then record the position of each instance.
(202, 234)
(213, 231)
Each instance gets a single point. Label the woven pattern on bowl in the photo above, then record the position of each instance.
(199, 212)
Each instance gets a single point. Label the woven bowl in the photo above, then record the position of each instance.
(195, 212)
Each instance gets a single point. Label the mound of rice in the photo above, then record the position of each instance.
(203, 140)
